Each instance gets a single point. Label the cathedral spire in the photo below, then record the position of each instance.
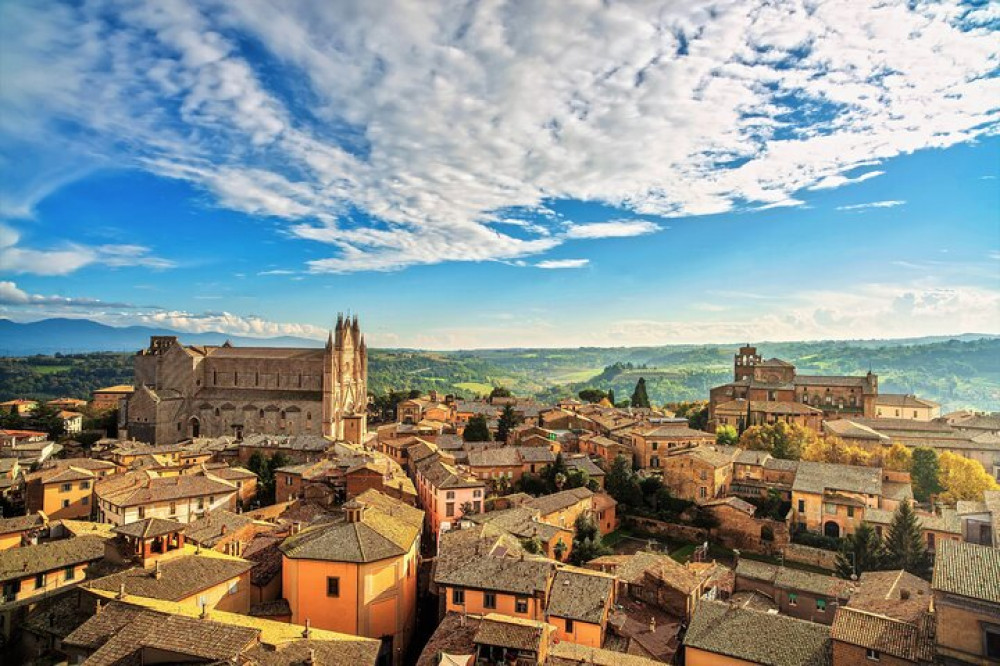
(329, 341)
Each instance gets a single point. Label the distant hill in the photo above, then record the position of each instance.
(958, 371)
(75, 336)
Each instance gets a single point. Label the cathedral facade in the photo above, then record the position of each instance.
(204, 391)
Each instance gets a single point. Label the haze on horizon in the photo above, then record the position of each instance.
(471, 175)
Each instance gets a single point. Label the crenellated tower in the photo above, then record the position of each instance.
(345, 382)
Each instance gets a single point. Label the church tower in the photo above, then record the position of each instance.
(345, 382)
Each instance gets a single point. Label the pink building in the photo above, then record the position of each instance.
(446, 493)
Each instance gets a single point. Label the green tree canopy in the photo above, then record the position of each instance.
(924, 474)
(639, 397)
(592, 395)
(905, 544)
(477, 430)
(726, 435)
(860, 552)
(507, 422)
(781, 440)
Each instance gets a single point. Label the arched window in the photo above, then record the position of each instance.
(262, 413)
(216, 411)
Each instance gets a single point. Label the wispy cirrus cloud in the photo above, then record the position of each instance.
(11, 294)
(429, 119)
(67, 257)
(889, 203)
(562, 263)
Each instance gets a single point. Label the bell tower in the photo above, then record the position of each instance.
(745, 361)
(345, 382)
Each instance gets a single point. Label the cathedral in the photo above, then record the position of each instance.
(190, 391)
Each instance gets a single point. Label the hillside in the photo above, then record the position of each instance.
(959, 372)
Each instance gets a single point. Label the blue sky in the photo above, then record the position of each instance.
(465, 175)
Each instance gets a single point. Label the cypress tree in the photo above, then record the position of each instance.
(639, 396)
(905, 543)
(860, 552)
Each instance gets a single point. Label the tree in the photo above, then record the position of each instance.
(592, 395)
(726, 435)
(835, 450)
(611, 396)
(533, 545)
(618, 477)
(559, 549)
(587, 542)
(477, 430)
(899, 457)
(500, 392)
(962, 478)
(781, 440)
(698, 419)
(924, 474)
(860, 552)
(507, 422)
(905, 544)
(639, 396)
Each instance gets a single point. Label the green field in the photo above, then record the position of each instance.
(476, 388)
(51, 369)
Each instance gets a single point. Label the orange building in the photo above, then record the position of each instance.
(65, 488)
(19, 406)
(110, 397)
(579, 604)
(17, 531)
(358, 574)
(652, 445)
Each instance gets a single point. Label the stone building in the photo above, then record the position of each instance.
(757, 380)
(183, 392)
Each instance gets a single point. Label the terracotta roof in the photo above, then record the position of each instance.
(138, 488)
(352, 651)
(211, 528)
(760, 638)
(967, 570)
(817, 477)
(768, 407)
(504, 574)
(123, 633)
(149, 528)
(388, 528)
(896, 594)
(580, 595)
(903, 400)
(512, 632)
(830, 380)
(674, 431)
(31, 560)
(494, 457)
(180, 578)
(22, 523)
(906, 640)
(851, 430)
(565, 653)
(549, 504)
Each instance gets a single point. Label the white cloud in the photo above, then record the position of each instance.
(432, 120)
(562, 263)
(891, 203)
(70, 257)
(834, 181)
(612, 229)
(11, 294)
(227, 322)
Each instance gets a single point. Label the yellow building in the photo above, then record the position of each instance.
(65, 488)
(110, 397)
(724, 635)
(966, 586)
(19, 406)
(358, 574)
(579, 604)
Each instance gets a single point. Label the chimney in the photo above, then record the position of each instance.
(652, 625)
(307, 631)
(98, 608)
(204, 610)
(121, 592)
(225, 528)
(311, 659)
(904, 594)
(157, 574)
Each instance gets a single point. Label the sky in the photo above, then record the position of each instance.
(499, 174)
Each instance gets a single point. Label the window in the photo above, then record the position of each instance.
(450, 494)
(520, 605)
(458, 597)
(66, 487)
(802, 505)
(991, 641)
(449, 509)
(332, 586)
(872, 654)
(490, 600)
(704, 475)
(39, 581)
(821, 605)
(930, 540)
(654, 461)
(569, 626)
(84, 485)
(173, 508)
(288, 480)
(65, 504)
(201, 503)
(477, 506)
(850, 512)
(830, 508)
(70, 572)
(655, 445)
(142, 512)
(793, 599)
(702, 492)
(479, 493)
